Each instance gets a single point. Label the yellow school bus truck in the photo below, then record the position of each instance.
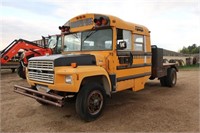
(101, 55)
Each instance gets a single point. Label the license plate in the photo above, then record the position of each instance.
(41, 88)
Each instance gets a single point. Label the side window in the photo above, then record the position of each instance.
(138, 42)
(124, 35)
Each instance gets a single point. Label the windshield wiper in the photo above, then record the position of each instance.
(75, 35)
(89, 34)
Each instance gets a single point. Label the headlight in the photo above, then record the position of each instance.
(68, 79)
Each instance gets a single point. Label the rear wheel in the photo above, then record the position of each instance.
(170, 79)
(90, 102)
(163, 81)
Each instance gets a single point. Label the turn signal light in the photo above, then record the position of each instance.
(80, 17)
(74, 65)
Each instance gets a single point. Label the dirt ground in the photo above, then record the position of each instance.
(154, 109)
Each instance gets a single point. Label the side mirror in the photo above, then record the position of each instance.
(122, 45)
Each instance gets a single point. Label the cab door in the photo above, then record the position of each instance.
(131, 64)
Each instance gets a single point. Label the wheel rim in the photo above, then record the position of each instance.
(95, 102)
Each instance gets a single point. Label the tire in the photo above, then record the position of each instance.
(90, 101)
(21, 72)
(163, 81)
(171, 78)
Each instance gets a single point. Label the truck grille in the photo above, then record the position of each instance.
(42, 71)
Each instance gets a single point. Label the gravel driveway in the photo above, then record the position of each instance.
(154, 109)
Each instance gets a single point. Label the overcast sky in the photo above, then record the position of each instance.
(173, 23)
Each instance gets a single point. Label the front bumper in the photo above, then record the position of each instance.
(48, 98)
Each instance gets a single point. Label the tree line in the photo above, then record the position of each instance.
(193, 49)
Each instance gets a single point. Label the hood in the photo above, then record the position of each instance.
(66, 60)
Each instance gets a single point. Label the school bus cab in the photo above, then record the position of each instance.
(101, 54)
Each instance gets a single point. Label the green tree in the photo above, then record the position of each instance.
(193, 49)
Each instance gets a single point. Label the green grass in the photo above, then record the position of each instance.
(189, 67)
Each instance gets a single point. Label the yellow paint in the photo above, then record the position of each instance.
(123, 85)
(107, 61)
(78, 74)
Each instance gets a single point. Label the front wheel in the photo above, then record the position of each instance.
(90, 102)
(21, 71)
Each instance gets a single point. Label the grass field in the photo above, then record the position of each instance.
(190, 67)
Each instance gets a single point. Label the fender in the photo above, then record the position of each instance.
(81, 72)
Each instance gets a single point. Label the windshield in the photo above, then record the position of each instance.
(89, 40)
(52, 41)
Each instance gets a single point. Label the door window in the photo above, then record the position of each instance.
(124, 35)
